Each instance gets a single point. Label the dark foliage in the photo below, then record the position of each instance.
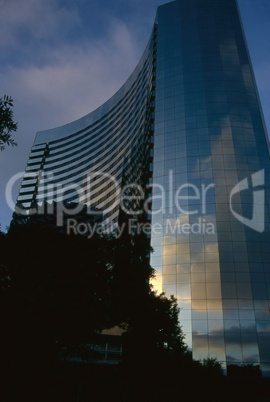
(58, 290)
(7, 124)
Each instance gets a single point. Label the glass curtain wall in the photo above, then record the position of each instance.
(210, 153)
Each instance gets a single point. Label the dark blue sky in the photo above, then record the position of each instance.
(60, 59)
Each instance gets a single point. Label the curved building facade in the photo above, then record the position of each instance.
(187, 130)
(89, 161)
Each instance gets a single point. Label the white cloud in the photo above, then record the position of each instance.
(76, 81)
(36, 19)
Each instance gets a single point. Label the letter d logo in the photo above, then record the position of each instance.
(257, 221)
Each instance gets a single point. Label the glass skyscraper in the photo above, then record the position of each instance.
(186, 134)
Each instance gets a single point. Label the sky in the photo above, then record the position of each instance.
(61, 59)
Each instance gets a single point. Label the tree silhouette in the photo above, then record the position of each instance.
(7, 124)
(59, 291)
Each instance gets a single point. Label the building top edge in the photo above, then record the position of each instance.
(90, 118)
